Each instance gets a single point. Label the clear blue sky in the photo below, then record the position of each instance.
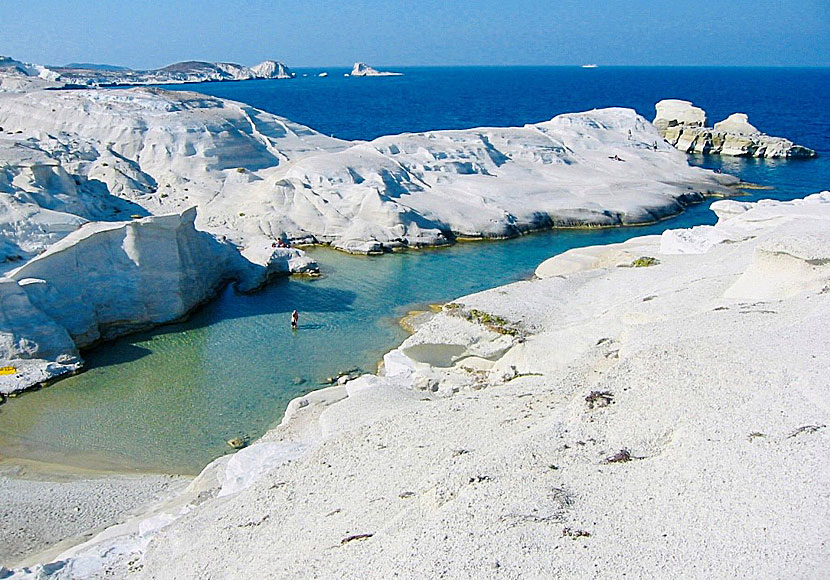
(150, 33)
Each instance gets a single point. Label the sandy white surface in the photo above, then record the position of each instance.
(601, 421)
(43, 507)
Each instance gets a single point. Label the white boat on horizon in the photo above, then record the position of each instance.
(590, 65)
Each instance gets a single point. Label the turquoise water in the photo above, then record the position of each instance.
(168, 400)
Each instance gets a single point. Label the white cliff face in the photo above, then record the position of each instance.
(33, 347)
(684, 126)
(11, 71)
(599, 405)
(107, 279)
(271, 69)
(672, 112)
(361, 69)
(256, 177)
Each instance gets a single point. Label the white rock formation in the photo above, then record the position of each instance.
(597, 421)
(256, 177)
(361, 69)
(101, 156)
(738, 124)
(673, 112)
(684, 126)
(43, 196)
(109, 278)
(109, 155)
(271, 69)
(31, 343)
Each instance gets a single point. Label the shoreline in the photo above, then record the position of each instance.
(48, 508)
(416, 461)
(738, 191)
(80, 468)
(509, 436)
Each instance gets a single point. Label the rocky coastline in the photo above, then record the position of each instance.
(563, 414)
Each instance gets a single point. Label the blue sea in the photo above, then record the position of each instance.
(168, 400)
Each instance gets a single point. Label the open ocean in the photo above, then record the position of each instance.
(168, 400)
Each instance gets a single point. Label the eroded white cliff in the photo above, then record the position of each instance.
(256, 177)
(109, 278)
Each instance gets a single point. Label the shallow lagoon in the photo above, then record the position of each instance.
(167, 400)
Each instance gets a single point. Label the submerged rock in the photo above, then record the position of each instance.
(238, 442)
(684, 126)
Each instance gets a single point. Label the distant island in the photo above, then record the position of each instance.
(361, 69)
(14, 73)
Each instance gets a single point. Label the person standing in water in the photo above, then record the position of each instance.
(295, 318)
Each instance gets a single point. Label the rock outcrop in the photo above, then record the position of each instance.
(76, 165)
(111, 278)
(361, 69)
(684, 126)
(271, 69)
(256, 177)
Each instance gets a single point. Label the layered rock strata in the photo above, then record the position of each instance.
(684, 126)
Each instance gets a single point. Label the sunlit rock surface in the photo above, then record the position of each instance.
(684, 126)
(361, 69)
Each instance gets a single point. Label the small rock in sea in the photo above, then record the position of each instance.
(298, 380)
(238, 442)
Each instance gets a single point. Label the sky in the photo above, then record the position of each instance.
(315, 33)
